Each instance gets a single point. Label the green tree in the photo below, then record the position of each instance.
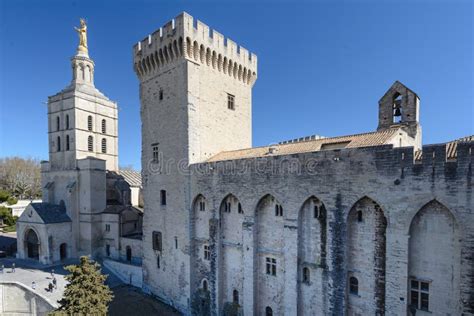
(8, 218)
(4, 195)
(86, 293)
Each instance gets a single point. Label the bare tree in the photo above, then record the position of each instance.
(21, 177)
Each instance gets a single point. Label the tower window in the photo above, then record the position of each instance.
(161, 94)
(230, 101)
(157, 241)
(359, 216)
(59, 143)
(107, 250)
(176, 242)
(420, 294)
(306, 275)
(90, 143)
(67, 121)
(67, 142)
(104, 127)
(107, 227)
(268, 311)
(207, 253)
(278, 210)
(353, 285)
(235, 296)
(204, 285)
(317, 213)
(239, 208)
(270, 266)
(158, 261)
(155, 153)
(202, 205)
(58, 125)
(163, 197)
(89, 122)
(397, 108)
(104, 145)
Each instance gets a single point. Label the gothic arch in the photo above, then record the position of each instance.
(230, 261)
(366, 261)
(269, 256)
(434, 259)
(312, 241)
(32, 243)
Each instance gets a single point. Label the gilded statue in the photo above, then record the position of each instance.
(82, 32)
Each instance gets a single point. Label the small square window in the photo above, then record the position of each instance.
(207, 253)
(420, 294)
(230, 101)
(270, 266)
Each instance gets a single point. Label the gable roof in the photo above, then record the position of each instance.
(133, 178)
(51, 213)
(351, 141)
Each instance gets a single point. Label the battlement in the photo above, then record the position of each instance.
(185, 37)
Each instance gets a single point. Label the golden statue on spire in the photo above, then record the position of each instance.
(82, 32)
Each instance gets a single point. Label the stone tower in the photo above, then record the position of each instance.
(400, 107)
(83, 137)
(82, 122)
(196, 100)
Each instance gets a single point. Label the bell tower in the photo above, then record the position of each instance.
(82, 121)
(400, 107)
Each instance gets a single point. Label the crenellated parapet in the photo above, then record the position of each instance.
(184, 38)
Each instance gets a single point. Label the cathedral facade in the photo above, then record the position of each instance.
(365, 224)
(89, 207)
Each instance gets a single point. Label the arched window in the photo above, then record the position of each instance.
(359, 216)
(89, 122)
(104, 145)
(67, 121)
(59, 143)
(235, 296)
(67, 143)
(104, 127)
(268, 311)
(58, 125)
(239, 208)
(204, 285)
(306, 275)
(353, 285)
(278, 210)
(90, 143)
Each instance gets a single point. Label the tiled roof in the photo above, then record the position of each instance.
(51, 213)
(133, 178)
(451, 148)
(117, 209)
(351, 141)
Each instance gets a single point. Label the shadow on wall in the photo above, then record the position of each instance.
(18, 299)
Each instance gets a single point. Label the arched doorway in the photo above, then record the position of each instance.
(63, 251)
(32, 244)
(129, 254)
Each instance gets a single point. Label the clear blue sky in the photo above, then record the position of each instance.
(322, 65)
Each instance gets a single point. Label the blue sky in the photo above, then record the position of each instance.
(323, 65)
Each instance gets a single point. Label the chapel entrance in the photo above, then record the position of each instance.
(63, 251)
(32, 244)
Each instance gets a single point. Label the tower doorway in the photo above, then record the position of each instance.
(32, 244)
(63, 251)
(129, 254)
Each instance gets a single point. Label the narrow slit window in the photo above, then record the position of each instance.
(67, 143)
(67, 121)
(89, 122)
(90, 143)
(58, 123)
(58, 140)
(230, 101)
(104, 145)
(359, 216)
(163, 197)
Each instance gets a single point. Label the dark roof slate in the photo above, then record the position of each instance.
(51, 213)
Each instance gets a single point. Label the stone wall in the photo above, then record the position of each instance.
(17, 299)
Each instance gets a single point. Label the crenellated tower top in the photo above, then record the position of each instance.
(185, 37)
